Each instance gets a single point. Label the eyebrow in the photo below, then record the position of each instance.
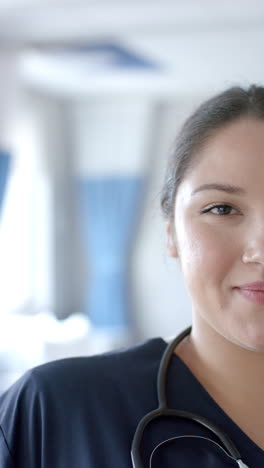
(222, 187)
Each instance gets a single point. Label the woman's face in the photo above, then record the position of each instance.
(219, 232)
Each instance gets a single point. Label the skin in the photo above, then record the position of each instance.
(217, 253)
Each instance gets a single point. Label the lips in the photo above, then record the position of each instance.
(256, 286)
(253, 292)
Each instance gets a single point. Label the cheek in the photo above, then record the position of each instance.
(206, 254)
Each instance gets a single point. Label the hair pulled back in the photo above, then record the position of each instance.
(212, 115)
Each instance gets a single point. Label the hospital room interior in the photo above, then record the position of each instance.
(92, 93)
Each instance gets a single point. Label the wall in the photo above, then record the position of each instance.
(160, 302)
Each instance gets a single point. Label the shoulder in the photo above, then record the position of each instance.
(94, 375)
(118, 366)
(88, 393)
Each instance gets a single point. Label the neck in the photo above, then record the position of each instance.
(238, 366)
(231, 374)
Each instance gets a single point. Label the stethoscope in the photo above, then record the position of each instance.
(164, 410)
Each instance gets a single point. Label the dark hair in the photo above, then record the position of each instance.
(212, 115)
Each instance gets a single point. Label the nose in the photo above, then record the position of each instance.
(254, 251)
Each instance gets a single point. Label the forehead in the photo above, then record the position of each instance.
(234, 154)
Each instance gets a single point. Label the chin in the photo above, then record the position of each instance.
(253, 340)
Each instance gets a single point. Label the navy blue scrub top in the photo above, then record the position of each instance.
(83, 412)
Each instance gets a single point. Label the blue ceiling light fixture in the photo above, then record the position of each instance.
(103, 55)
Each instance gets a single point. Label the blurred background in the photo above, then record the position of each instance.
(92, 93)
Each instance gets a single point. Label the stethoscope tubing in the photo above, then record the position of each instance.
(164, 411)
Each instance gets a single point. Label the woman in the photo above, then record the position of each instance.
(83, 412)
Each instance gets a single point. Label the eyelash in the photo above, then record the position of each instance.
(209, 209)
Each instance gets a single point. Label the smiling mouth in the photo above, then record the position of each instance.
(252, 295)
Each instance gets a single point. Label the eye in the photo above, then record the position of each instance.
(220, 209)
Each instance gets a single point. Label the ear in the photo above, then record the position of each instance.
(171, 244)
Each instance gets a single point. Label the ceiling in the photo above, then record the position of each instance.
(195, 44)
(71, 19)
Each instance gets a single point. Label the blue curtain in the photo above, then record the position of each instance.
(4, 171)
(109, 210)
